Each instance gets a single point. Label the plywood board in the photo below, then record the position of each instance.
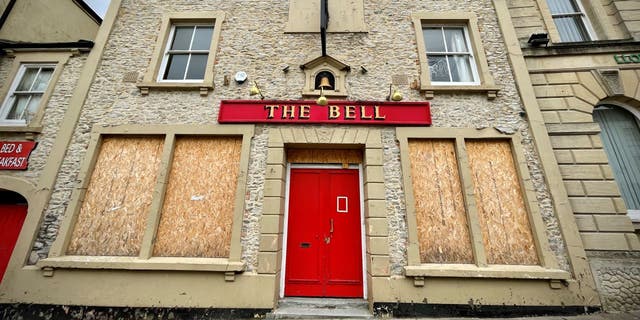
(503, 217)
(443, 232)
(116, 204)
(197, 214)
(324, 156)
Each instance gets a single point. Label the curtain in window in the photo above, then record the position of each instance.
(569, 20)
(460, 66)
(621, 140)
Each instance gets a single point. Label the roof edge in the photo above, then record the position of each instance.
(88, 10)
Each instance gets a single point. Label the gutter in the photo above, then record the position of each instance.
(7, 45)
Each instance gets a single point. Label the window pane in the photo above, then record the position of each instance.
(202, 38)
(438, 68)
(27, 79)
(562, 6)
(197, 66)
(460, 68)
(19, 105)
(456, 41)
(43, 79)
(433, 40)
(32, 107)
(182, 38)
(176, 66)
(571, 29)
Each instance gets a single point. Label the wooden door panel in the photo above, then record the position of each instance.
(324, 249)
(11, 220)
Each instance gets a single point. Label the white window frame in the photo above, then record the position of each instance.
(168, 52)
(584, 18)
(11, 95)
(470, 53)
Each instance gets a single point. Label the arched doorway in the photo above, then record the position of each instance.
(13, 210)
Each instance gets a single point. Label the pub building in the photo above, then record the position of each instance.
(304, 158)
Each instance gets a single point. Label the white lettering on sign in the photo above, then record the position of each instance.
(14, 155)
(13, 162)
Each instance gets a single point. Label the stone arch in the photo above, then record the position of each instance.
(20, 186)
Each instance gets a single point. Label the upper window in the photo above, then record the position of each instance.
(570, 20)
(449, 55)
(621, 141)
(24, 96)
(186, 54)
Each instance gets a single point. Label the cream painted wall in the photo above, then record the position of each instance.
(32, 21)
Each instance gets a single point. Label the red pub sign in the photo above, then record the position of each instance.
(339, 112)
(14, 155)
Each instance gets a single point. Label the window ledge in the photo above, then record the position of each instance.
(135, 263)
(492, 271)
(490, 90)
(204, 87)
(27, 129)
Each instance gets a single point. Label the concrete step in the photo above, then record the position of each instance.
(328, 308)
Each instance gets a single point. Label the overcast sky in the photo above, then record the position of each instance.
(99, 6)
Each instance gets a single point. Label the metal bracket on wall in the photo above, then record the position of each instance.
(418, 281)
(555, 284)
(229, 276)
(47, 272)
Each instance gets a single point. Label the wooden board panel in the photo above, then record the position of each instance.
(503, 217)
(343, 156)
(443, 232)
(197, 214)
(116, 205)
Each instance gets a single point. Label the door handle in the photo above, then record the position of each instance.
(331, 225)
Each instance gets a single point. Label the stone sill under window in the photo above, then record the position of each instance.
(204, 87)
(492, 271)
(135, 263)
(490, 90)
(25, 129)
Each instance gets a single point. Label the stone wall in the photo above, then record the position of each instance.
(255, 42)
(618, 279)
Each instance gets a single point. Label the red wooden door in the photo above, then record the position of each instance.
(11, 219)
(324, 247)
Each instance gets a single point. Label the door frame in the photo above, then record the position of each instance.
(286, 219)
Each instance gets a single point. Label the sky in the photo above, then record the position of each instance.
(99, 6)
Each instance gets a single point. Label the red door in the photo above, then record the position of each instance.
(11, 219)
(324, 247)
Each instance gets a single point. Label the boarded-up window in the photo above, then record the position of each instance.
(443, 233)
(116, 204)
(503, 217)
(197, 214)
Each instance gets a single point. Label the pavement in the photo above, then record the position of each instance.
(632, 315)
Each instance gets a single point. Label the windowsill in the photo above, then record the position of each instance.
(135, 263)
(490, 90)
(17, 128)
(491, 271)
(204, 87)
